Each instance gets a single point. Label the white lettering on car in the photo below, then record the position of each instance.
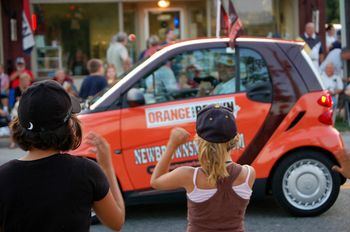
(187, 150)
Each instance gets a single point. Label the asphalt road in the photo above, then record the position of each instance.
(264, 215)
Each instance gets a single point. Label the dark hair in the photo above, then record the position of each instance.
(94, 65)
(329, 27)
(64, 138)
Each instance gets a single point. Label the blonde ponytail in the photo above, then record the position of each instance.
(212, 157)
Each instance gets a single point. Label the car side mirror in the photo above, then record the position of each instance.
(135, 97)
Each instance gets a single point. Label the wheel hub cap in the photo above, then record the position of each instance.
(307, 184)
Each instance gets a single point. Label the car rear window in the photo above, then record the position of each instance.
(313, 68)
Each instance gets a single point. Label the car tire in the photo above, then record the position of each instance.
(304, 183)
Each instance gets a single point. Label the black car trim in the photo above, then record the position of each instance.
(296, 120)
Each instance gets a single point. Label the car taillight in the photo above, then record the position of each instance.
(325, 100)
(326, 117)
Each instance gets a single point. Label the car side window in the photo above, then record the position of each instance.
(253, 69)
(197, 73)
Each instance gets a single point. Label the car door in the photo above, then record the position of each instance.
(172, 94)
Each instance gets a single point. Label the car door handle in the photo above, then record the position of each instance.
(118, 151)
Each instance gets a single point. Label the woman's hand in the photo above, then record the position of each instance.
(178, 136)
(102, 149)
(180, 177)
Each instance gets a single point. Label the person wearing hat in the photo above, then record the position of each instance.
(218, 191)
(20, 68)
(226, 71)
(48, 189)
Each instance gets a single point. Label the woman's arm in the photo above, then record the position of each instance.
(180, 177)
(344, 161)
(110, 210)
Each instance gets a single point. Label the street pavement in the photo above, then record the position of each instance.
(263, 215)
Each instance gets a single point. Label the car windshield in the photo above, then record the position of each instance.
(92, 100)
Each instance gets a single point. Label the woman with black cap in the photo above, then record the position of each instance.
(218, 191)
(47, 189)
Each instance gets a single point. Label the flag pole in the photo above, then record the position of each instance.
(218, 19)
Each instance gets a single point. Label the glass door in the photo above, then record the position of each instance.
(160, 22)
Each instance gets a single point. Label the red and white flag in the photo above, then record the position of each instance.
(235, 23)
(27, 33)
(227, 21)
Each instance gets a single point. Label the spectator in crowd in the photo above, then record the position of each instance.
(4, 88)
(111, 75)
(333, 83)
(313, 44)
(55, 191)
(78, 63)
(14, 79)
(20, 68)
(333, 57)
(219, 190)
(66, 82)
(142, 54)
(330, 36)
(336, 43)
(4, 121)
(153, 46)
(24, 83)
(95, 82)
(117, 54)
(170, 37)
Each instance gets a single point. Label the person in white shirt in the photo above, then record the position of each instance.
(330, 36)
(333, 83)
(117, 54)
(334, 57)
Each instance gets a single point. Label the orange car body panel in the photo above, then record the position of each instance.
(126, 130)
(309, 132)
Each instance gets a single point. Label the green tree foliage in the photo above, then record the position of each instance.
(332, 11)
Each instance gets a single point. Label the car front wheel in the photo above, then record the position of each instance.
(304, 183)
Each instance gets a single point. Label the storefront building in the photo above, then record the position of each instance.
(69, 32)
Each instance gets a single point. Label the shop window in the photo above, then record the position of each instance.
(82, 30)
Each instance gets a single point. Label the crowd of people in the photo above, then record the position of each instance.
(97, 75)
(330, 65)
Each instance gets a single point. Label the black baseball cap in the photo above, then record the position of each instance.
(216, 124)
(45, 106)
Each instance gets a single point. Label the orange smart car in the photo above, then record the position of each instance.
(284, 117)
